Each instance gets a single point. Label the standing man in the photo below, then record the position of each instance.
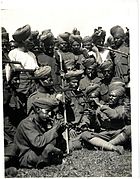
(26, 58)
(121, 62)
(46, 56)
(69, 59)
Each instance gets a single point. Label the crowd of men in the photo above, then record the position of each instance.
(64, 93)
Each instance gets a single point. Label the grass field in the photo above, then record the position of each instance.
(86, 163)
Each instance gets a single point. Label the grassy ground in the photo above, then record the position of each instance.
(86, 163)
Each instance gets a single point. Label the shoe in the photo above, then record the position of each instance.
(11, 172)
(42, 164)
(119, 149)
(56, 157)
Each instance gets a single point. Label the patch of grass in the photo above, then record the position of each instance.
(86, 163)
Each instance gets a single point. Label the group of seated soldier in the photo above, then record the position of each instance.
(62, 94)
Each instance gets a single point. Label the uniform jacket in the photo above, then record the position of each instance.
(30, 135)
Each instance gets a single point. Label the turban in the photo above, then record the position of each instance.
(4, 34)
(75, 31)
(106, 65)
(87, 39)
(63, 37)
(93, 88)
(77, 74)
(22, 33)
(47, 36)
(89, 62)
(98, 34)
(110, 40)
(73, 38)
(45, 103)
(117, 82)
(118, 90)
(43, 72)
(35, 34)
(117, 30)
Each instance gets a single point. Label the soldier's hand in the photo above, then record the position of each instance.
(95, 49)
(112, 55)
(72, 133)
(56, 125)
(60, 126)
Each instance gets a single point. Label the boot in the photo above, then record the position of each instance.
(119, 139)
(11, 172)
(98, 142)
(119, 149)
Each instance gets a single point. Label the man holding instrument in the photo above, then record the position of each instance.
(113, 132)
(39, 136)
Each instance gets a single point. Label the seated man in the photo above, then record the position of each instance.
(90, 73)
(44, 86)
(39, 136)
(111, 119)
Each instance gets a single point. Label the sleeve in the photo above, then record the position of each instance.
(118, 112)
(14, 56)
(11, 55)
(35, 138)
(34, 64)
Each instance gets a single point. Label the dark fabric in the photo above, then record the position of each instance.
(75, 105)
(84, 83)
(122, 64)
(31, 136)
(22, 33)
(112, 119)
(44, 60)
(69, 60)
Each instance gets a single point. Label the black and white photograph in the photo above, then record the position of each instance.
(69, 89)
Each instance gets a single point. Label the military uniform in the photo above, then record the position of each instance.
(112, 122)
(122, 64)
(36, 142)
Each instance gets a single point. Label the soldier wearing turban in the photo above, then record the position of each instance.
(74, 75)
(75, 47)
(105, 73)
(46, 56)
(110, 121)
(44, 85)
(33, 40)
(27, 61)
(87, 43)
(98, 37)
(92, 50)
(90, 73)
(39, 136)
(47, 41)
(75, 38)
(69, 59)
(74, 96)
(121, 62)
(89, 120)
(75, 43)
